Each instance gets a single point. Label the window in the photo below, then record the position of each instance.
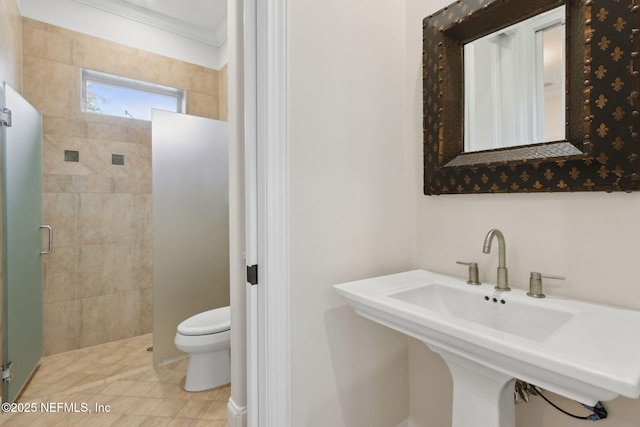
(113, 95)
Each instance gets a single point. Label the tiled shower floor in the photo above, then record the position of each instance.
(119, 385)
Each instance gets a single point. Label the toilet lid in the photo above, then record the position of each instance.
(207, 322)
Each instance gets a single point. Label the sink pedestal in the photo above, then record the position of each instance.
(482, 396)
(488, 338)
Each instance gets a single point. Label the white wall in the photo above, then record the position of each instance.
(237, 268)
(589, 238)
(348, 198)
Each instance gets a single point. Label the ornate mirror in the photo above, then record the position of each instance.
(485, 131)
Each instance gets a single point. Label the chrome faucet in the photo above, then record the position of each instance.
(503, 280)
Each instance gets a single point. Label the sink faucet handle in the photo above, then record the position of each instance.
(535, 283)
(551, 276)
(473, 272)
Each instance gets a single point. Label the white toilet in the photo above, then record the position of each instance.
(205, 337)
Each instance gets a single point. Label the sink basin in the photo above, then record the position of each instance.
(525, 319)
(586, 352)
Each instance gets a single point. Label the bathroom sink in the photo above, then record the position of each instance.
(526, 319)
(586, 352)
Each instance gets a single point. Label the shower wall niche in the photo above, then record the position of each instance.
(98, 280)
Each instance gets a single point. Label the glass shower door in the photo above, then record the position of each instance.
(23, 240)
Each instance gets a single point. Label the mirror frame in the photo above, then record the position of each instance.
(601, 152)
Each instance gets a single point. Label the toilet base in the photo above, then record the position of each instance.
(208, 370)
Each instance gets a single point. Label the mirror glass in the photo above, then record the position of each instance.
(514, 84)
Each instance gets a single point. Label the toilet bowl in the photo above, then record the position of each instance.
(205, 337)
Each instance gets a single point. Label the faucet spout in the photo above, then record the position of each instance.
(503, 280)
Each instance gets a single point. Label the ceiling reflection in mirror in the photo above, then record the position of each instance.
(514, 83)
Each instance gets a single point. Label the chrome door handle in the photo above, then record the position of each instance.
(50, 248)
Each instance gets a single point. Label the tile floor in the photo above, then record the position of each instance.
(119, 385)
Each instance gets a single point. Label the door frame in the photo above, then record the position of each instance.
(267, 220)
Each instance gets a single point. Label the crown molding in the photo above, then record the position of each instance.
(140, 14)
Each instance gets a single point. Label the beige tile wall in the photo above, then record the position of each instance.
(10, 44)
(11, 72)
(223, 84)
(98, 280)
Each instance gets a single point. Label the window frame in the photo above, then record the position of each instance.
(100, 77)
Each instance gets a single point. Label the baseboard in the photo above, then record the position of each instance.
(237, 414)
(409, 422)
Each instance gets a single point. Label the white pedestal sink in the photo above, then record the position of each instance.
(586, 352)
(482, 396)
